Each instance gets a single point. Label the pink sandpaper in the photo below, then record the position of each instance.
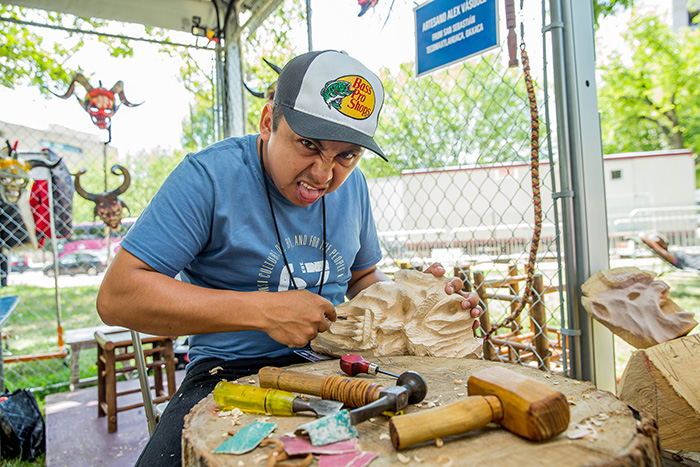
(294, 446)
(351, 459)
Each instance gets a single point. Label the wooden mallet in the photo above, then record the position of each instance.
(520, 404)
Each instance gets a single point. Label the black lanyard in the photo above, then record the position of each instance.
(277, 230)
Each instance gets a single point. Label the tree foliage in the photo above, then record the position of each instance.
(275, 42)
(27, 58)
(272, 41)
(650, 100)
(603, 8)
(198, 130)
(472, 113)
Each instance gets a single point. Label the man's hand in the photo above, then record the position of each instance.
(295, 317)
(455, 285)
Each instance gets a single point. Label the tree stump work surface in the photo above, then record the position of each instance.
(603, 430)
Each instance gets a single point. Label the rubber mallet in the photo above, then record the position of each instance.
(519, 404)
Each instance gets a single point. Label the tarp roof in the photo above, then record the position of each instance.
(168, 14)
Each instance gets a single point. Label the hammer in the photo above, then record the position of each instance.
(522, 405)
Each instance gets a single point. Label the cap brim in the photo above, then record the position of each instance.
(312, 127)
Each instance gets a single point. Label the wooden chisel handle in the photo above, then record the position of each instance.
(354, 392)
(290, 380)
(459, 417)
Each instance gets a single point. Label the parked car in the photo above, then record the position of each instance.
(18, 265)
(77, 263)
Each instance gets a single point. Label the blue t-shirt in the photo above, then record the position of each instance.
(211, 222)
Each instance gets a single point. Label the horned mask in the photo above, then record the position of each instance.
(99, 102)
(269, 92)
(108, 205)
(14, 174)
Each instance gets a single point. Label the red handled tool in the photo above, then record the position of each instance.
(353, 364)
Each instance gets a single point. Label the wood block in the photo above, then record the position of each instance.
(664, 381)
(634, 306)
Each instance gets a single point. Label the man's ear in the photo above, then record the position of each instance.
(266, 122)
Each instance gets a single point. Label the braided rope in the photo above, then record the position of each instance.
(536, 199)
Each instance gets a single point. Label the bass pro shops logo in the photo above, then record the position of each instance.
(352, 96)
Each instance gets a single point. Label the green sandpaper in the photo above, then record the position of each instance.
(330, 429)
(246, 439)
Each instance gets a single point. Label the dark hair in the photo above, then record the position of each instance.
(277, 116)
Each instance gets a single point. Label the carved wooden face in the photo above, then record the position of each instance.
(13, 180)
(411, 316)
(109, 209)
(100, 104)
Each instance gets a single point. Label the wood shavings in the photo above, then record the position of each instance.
(251, 381)
(599, 419)
(460, 394)
(546, 375)
(418, 460)
(403, 459)
(215, 370)
(444, 460)
(384, 436)
(582, 431)
(277, 454)
(458, 382)
(439, 442)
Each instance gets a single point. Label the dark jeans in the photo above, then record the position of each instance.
(165, 446)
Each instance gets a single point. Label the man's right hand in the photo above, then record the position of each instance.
(295, 317)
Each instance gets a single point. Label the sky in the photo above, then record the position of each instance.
(153, 78)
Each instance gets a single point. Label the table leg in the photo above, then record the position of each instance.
(74, 367)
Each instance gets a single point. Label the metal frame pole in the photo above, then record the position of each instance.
(143, 381)
(583, 182)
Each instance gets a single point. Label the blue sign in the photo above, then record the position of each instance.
(451, 30)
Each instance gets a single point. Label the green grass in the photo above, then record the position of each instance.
(41, 460)
(32, 330)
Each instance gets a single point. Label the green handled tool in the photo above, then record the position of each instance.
(253, 399)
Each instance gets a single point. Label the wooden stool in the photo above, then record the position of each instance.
(160, 353)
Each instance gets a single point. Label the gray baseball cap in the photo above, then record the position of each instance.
(328, 95)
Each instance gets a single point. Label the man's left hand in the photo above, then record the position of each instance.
(455, 285)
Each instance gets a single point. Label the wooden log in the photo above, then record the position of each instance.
(613, 437)
(664, 380)
(634, 306)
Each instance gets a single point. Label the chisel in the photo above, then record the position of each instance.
(253, 399)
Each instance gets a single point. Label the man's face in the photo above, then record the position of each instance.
(304, 169)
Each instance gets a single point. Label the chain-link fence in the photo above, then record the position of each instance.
(458, 190)
(54, 241)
